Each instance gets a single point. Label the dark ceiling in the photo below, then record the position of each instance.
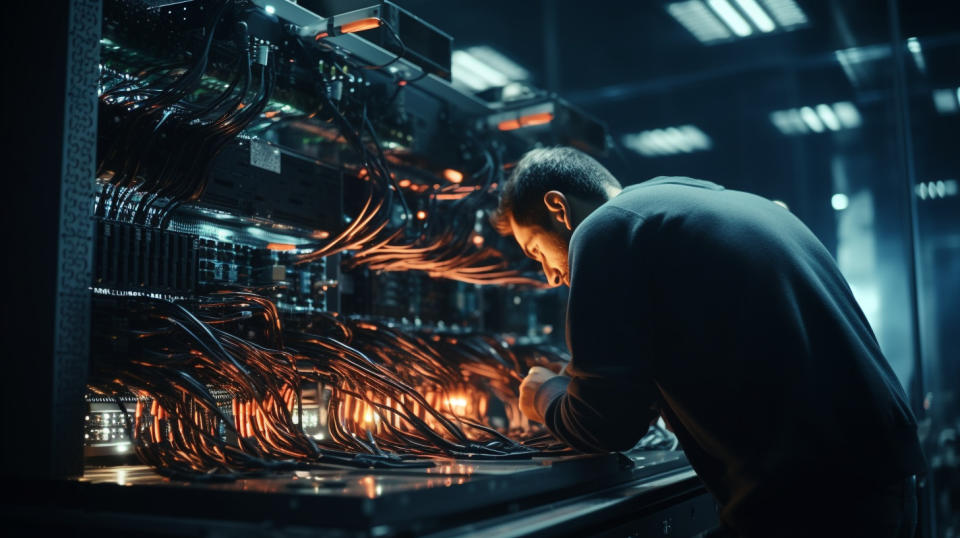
(607, 42)
(607, 50)
(636, 68)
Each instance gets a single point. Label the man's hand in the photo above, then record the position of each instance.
(537, 376)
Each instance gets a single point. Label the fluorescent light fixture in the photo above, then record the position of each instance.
(940, 188)
(466, 66)
(811, 119)
(788, 121)
(468, 79)
(839, 201)
(482, 67)
(945, 101)
(713, 21)
(731, 17)
(848, 114)
(654, 143)
(817, 119)
(757, 15)
(828, 117)
(674, 137)
(785, 12)
(499, 62)
(913, 45)
(668, 141)
(695, 136)
(699, 21)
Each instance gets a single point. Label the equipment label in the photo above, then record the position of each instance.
(264, 155)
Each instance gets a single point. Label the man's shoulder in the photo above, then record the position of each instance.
(661, 193)
(675, 180)
(607, 236)
(633, 216)
(606, 222)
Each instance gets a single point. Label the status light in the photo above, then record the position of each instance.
(280, 247)
(459, 403)
(360, 25)
(453, 176)
(421, 215)
(539, 118)
(352, 27)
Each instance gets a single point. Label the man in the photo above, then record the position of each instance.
(721, 312)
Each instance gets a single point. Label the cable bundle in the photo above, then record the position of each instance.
(158, 140)
(399, 391)
(214, 404)
(443, 244)
(161, 128)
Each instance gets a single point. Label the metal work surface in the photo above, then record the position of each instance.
(446, 495)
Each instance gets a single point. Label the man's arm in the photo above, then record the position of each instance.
(609, 398)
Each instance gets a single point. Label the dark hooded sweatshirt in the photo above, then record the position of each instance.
(722, 312)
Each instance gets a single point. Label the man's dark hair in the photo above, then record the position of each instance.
(563, 169)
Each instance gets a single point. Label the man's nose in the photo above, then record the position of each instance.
(553, 275)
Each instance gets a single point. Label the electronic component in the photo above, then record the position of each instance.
(106, 432)
(550, 120)
(382, 23)
(130, 257)
(262, 181)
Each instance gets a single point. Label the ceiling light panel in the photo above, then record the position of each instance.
(482, 67)
(819, 118)
(668, 141)
(719, 21)
(946, 101)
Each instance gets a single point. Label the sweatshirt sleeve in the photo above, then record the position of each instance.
(610, 397)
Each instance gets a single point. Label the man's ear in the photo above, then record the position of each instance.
(558, 208)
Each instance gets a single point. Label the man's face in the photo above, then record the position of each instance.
(549, 247)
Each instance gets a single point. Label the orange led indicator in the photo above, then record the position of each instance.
(360, 25)
(280, 247)
(525, 121)
(478, 240)
(404, 183)
(351, 27)
(453, 176)
(320, 234)
(422, 215)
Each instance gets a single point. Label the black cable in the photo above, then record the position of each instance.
(396, 37)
